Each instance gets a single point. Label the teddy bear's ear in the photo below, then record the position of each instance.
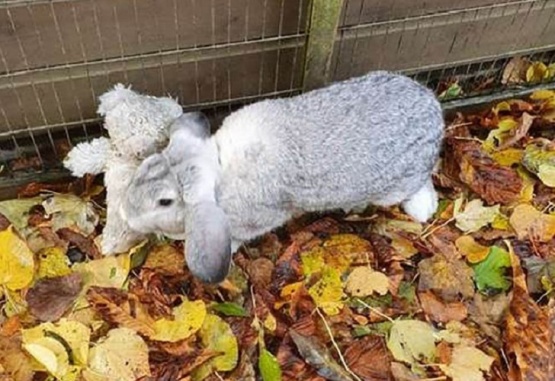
(112, 98)
(195, 123)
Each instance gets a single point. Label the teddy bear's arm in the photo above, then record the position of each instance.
(88, 157)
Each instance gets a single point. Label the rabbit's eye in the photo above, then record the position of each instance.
(165, 202)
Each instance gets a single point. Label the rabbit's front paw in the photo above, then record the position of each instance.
(423, 204)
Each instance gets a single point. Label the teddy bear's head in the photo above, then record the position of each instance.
(137, 124)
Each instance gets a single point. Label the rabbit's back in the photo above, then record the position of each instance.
(370, 139)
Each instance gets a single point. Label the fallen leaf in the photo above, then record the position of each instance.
(70, 211)
(269, 366)
(492, 182)
(16, 261)
(515, 71)
(230, 309)
(508, 157)
(17, 211)
(121, 355)
(50, 298)
(62, 348)
(528, 339)
(317, 356)
(115, 306)
(216, 335)
(109, 271)
(53, 262)
(166, 258)
(14, 362)
(539, 158)
(489, 312)
(470, 249)
(412, 341)
(442, 312)
(449, 279)
(363, 281)
(401, 372)
(541, 272)
(187, 320)
(467, 364)
(369, 358)
(537, 72)
(528, 222)
(328, 291)
(475, 216)
(490, 273)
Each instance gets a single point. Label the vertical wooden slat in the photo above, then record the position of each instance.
(324, 20)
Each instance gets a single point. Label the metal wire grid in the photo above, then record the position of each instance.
(44, 140)
(371, 35)
(424, 45)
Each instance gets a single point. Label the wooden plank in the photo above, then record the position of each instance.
(215, 80)
(442, 42)
(47, 34)
(324, 20)
(366, 11)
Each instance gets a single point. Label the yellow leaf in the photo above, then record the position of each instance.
(328, 291)
(109, 271)
(475, 216)
(467, 364)
(546, 173)
(122, 355)
(363, 281)
(188, 318)
(270, 323)
(527, 192)
(53, 262)
(537, 72)
(528, 222)
(216, 335)
(62, 348)
(472, 250)
(501, 222)
(75, 334)
(508, 157)
(501, 106)
(542, 95)
(338, 252)
(17, 264)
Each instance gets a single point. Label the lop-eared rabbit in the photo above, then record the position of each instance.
(368, 140)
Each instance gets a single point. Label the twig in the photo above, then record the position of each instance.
(375, 310)
(426, 234)
(338, 350)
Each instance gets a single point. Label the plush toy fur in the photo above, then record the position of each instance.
(138, 127)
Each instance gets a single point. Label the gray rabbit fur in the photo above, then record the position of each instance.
(368, 140)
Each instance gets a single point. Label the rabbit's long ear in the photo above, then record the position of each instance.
(208, 242)
(195, 123)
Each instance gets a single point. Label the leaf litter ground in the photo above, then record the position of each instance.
(373, 296)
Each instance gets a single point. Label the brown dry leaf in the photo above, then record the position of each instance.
(50, 298)
(439, 311)
(491, 181)
(401, 372)
(318, 356)
(515, 71)
(115, 307)
(528, 339)
(166, 259)
(14, 362)
(260, 272)
(489, 313)
(449, 279)
(528, 222)
(369, 358)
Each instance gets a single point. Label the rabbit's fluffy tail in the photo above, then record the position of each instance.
(88, 157)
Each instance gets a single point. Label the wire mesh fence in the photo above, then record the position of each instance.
(58, 56)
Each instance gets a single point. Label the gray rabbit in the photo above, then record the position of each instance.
(368, 140)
